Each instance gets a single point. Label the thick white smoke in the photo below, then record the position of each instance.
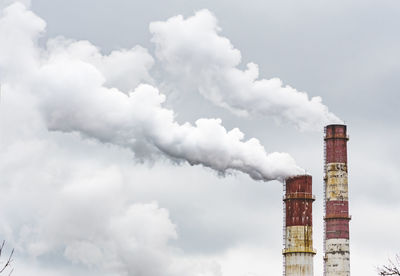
(79, 211)
(192, 51)
(123, 69)
(71, 81)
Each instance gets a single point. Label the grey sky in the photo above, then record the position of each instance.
(347, 52)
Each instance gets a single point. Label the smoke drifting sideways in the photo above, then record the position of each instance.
(192, 50)
(77, 89)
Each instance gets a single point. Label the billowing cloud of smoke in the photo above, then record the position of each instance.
(122, 69)
(60, 209)
(87, 219)
(192, 50)
(71, 81)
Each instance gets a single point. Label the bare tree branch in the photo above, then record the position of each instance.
(9, 260)
(393, 268)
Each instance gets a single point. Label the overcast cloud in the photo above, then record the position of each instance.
(99, 105)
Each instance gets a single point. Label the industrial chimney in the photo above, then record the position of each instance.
(298, 252)
(336, 226)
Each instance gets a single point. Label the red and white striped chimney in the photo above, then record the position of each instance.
(298, 242)
(336, 236)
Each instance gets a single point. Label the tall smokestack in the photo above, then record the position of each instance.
(336, 236)
(298, 243)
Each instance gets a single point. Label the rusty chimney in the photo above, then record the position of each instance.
(298, 252)
(336, 203)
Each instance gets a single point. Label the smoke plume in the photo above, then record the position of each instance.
(77, 90)
(192, 50)
(79, 211)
